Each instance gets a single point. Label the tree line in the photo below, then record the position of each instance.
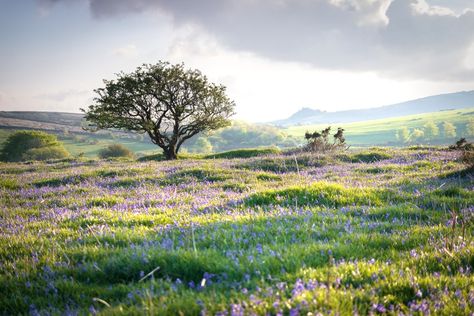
(431, 132)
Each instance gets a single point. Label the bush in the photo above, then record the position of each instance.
(467, 158)
(462, 144)
(46, 153)
(467, 152)
(114, 151)
(369, 157)
(25, 145)
(161, 157)
(245, 153)
(319, 141)
(154, 157)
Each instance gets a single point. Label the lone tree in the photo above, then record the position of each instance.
(168, 102)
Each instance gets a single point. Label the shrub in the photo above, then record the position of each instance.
(467, 152)
(369, 157)
(8, 183)
(46, 153)
(245, 153)
(462, 144)
(467, 158)
(25, 145)
(154, 157)
(319, 141)
(115, 150)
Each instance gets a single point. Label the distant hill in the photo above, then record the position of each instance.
(55, 122)
(382, 132)
(61, 118)
(450, 101)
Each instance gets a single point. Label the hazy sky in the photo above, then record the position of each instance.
(275, 56)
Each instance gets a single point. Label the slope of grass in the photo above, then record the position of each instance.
(216, 236)
(244, 153)
(382, 132)
(231, 154)
(92, 150)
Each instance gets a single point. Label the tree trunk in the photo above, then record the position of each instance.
(170, 153)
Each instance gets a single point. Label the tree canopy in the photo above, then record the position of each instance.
(114, 151)
(32, 145)
(168, 102)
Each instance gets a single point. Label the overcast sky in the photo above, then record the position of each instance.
(275, 56)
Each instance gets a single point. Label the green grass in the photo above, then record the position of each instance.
(231, 154)
(367, 231)
(382, 132)
(92, 150)
(359, 134)
(244, 153)
(368, 156)
(89, 150)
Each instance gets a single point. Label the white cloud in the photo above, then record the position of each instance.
(400, 38)
(266, 90)
(458, 6)
(422, 7)
(276, 56)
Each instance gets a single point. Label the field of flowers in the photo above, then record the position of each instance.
(380, 231)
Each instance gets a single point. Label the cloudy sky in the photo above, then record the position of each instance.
(275, 56)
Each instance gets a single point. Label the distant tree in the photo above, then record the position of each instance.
(139, 137)
(168, 102)
(449, 130)
(417, 135)
(202, 145)
(431, 130)
(65, 132)
(470, 127)
(403, 134)
(113, 135)
(46, 153)
(115, 151)
(32, 145)
(79, 139)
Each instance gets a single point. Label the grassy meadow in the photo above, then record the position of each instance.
(383, 132)
(243, 135)
(379, 231)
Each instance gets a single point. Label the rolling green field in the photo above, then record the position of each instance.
(382, 132)
(361, 134)
(385, 231)
(92, 150)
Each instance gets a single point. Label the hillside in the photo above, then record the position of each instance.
(285, 235)
(307, 116)
(240, 135)
(61, 118)
(68, 127)
(383, 131)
